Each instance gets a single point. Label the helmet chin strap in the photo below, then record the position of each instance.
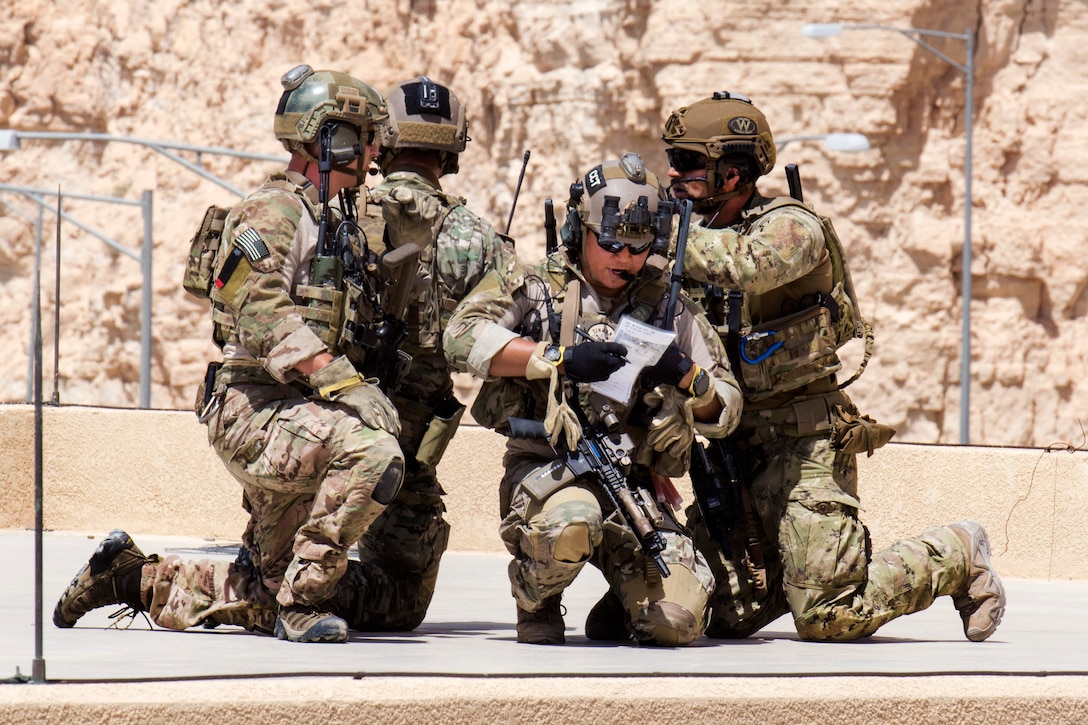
(710, 203)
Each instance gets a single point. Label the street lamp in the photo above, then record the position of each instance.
(829, 30)
(847, 142)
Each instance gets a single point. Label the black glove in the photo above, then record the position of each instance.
(671, 368)
(591, 362)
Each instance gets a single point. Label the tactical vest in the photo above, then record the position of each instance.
(515, 397)
(798, 348)
(332, 312)
(424, 314)
(207, 255)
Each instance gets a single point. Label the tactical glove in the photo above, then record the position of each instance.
(560, 419)
(672, 429)
(671, 368)
(591, 362)
(339, 382)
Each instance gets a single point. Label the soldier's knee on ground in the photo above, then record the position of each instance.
(670, 614)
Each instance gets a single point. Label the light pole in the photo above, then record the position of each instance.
(829, 30)
(847, 142)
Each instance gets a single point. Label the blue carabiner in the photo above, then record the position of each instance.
(766, 353)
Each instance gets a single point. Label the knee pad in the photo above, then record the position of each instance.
(569, 525)
(573, 544)
(389, 484)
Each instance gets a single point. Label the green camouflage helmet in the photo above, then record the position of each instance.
(424, 115)
(722, 126)
(310, 98)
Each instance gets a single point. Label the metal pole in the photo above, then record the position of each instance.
(145, 318)
(56, 313)
(965, 362)
(38, 666)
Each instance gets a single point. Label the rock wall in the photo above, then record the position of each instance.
(576, 83)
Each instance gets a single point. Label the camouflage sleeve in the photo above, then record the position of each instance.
(469, 248)
(708, 352)
(483, 323)
(782, 246)
(268, 325)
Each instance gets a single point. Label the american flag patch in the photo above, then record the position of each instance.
(252, 244)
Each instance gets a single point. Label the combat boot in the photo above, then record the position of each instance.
(299, 623)
(543, 626)
(605, 622)
(111, 576)
(981, 602)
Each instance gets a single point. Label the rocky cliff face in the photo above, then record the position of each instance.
(576, 83)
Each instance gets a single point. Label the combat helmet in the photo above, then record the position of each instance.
(725, 128)
(424, 115)
(622, 202)
(313, 98)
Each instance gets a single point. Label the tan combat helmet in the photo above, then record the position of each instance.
(424, 115)
(312, 98)
(619, 200)
(723, 128)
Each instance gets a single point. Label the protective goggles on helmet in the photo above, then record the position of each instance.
(684, 160)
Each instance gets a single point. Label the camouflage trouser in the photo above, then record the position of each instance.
(819, 564)
(392, 586)
(552, 539)
(314, 479)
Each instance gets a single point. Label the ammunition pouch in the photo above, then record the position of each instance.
(426, 430)
(788, 353)
(203, 249)
(852, 432)
(323, 310)
(505, 398)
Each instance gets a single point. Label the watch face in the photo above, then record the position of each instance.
(551, 353)
(701, 383)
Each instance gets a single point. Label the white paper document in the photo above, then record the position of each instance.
(644, 344)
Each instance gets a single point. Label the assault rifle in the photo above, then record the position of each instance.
(378, 296)
(606, 458)
(676, 280)
(718, 499)
(716, 479)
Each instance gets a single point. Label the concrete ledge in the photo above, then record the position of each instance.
(153, 472)
(535, 700)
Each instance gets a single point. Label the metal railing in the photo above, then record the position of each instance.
(10, 140)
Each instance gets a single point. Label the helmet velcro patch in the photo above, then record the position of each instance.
(412, 132)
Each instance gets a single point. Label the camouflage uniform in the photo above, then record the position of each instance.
(407, 541)
(314, 476)
(660, 611)
(800, 527)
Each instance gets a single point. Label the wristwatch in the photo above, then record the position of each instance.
(553, 354)
(699, 384)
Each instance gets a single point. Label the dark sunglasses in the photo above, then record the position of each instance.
(617, 246)
(684, 160)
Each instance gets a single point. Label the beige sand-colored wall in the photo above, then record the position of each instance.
(153, 472)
